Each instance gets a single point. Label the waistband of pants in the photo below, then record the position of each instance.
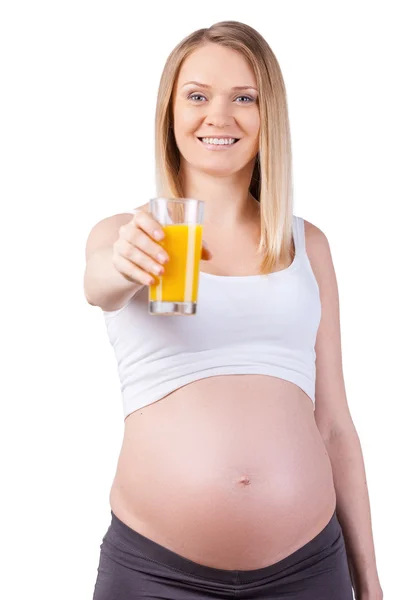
(320, 544)
(316, 547)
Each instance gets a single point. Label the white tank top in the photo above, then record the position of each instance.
(255, 324)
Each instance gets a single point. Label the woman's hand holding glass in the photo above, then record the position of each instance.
(136, 253)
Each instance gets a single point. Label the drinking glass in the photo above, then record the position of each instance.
(175, 291)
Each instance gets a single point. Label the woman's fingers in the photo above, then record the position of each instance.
(206, 254)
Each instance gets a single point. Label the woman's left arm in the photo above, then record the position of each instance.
(353, 511)
(336, 427)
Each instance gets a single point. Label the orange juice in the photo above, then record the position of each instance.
(179, 282)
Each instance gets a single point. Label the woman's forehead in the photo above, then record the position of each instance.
(216, 66)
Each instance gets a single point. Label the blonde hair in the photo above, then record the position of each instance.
(271, 182)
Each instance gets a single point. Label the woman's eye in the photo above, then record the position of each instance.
(196, 96)
(247, 98)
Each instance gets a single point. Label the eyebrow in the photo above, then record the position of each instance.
(237, 87)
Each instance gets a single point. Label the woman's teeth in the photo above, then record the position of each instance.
(218, 141)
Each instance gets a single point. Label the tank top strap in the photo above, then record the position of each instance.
(299, 235)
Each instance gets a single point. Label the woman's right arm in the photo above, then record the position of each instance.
(122, 256)
(119, 264)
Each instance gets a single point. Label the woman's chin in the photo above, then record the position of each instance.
(219, 170)
(218, 166)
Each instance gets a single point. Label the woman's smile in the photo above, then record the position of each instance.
(217, 146)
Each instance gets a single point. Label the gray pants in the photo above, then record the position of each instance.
(134, 567)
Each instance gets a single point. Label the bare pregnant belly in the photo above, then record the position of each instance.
(230, 472)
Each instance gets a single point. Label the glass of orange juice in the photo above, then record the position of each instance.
(175, 291)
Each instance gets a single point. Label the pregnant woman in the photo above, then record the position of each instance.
(241, 473)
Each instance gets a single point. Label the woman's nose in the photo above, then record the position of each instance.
(217, 121)
(219, 115)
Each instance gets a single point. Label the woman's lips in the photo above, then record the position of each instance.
(217, 147)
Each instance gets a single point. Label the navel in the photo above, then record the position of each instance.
(244, 480)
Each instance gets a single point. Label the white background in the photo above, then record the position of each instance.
(79, 82)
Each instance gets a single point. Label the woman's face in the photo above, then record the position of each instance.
(212, 108)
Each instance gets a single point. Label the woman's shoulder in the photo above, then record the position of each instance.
(314, 236)
(318, 251)
(105, 231)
